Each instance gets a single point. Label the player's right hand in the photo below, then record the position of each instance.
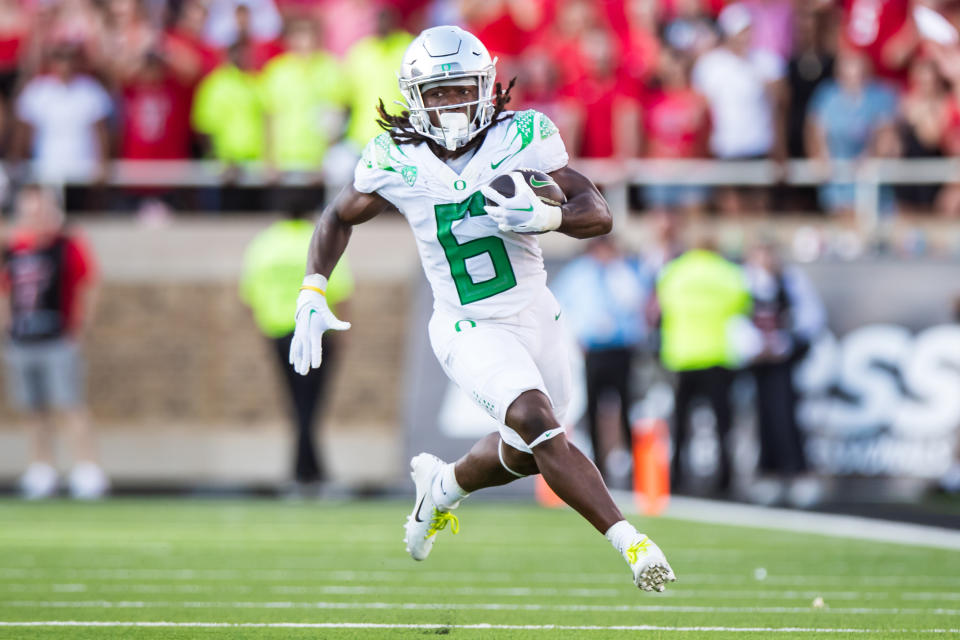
(313, 318)
(524, 211)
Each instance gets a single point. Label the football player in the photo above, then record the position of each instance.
(496, 327)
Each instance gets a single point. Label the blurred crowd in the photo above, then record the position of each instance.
(293, 83)
(708, 323)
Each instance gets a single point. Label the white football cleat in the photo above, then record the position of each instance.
(651, 571)
(426, 519)
(88, 482)
(38, 481)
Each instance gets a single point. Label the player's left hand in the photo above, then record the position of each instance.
(313, 318)
(524, 212)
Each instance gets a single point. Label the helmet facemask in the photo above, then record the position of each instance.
(456, 129)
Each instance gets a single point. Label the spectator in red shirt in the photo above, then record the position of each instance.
(185, 47)
(642, 45)
(14, 32)
(155, 107)
(538, 88)
(262, 50)
(506, 27)
(49, 292)
(562, 40)
(884, 31)
(609, 110)
(676, 125)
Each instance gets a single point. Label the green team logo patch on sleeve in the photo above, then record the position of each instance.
(384, 154)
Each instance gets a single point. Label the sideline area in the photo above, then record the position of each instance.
(844, 526)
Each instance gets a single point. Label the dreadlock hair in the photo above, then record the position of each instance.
(402, 132)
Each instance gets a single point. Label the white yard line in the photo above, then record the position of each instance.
(678, 591)
(470, 606)
(479, 626)
(744, 515)
(404, 576)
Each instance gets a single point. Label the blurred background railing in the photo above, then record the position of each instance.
(615, 176)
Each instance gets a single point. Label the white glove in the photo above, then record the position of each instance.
(524, 212)
(313, 318)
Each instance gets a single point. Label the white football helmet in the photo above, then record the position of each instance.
(448, 55)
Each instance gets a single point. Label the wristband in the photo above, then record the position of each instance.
(307, 287)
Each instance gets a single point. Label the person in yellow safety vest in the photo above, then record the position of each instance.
(303, 96)
(228, 111)
(274, 264)
(704, 302)
(370, 65)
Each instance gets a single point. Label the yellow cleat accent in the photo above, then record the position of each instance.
(643, 545)
(439, 522)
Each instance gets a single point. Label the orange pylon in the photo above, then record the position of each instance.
(545, 495)
(651, 465)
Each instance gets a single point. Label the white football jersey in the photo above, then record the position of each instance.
(475, 270)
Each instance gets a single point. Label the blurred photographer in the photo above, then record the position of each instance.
(789, 315)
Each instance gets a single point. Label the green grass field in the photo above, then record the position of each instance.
(334, 567)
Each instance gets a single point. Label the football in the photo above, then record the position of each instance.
(543, 185)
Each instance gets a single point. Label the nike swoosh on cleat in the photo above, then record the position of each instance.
(442, 490)
(416, 514)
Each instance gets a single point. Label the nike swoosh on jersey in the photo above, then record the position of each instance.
(494, 165)
(540, 183)
(416, 515)
(557, 317)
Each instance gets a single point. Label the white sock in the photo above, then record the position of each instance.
(446, 491)
(621, 535)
